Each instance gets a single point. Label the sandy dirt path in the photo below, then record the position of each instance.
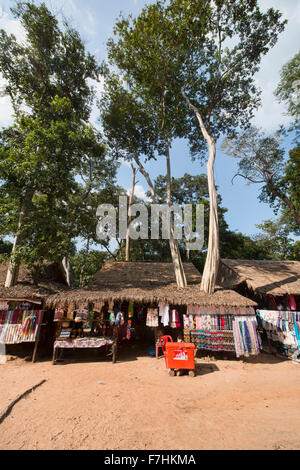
(229, 405)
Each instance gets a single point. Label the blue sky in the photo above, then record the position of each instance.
(95, 19)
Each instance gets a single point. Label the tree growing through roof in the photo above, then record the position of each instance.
(51, 141)
(130, 126)
(143, 51)
(219, 88)
(208, 51)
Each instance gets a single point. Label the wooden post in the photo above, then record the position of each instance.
(37, 337)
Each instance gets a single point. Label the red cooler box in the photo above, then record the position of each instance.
(180, 356)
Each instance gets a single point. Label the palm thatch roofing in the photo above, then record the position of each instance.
(144, 282)
(264, 277)
(50, 280)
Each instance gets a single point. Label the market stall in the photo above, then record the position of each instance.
(143, 301)
(23, 314)
(275, 287)
(84, 327)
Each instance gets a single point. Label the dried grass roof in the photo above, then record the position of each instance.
(51, 280)
(265, 277)
(148, 283)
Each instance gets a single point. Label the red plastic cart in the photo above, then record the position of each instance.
(179, 357)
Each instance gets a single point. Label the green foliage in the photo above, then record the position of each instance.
(262, 159)
(288, 90)
(275, 239)
(193, 189)
(51, 157)
(85, 266)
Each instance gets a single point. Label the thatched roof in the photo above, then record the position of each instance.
(51, 280)
(264, 277)
(148, 283)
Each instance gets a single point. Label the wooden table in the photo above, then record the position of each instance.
(86, 343)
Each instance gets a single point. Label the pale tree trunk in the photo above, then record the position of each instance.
(177, 262)
(87, 249)
(176, 257)
(129, 213)
(211, 267)
(68, 271)
(14, 264)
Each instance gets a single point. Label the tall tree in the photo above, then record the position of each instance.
(219, 88)
(208, 51)
(47, 79)
(130, 125)
(144, 53)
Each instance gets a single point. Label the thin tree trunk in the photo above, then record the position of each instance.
(177, 262)
(211, 267)
(176, 257)
(175, 253)
(129, 213)
(87, 249)
(68, 271)
(14, 264)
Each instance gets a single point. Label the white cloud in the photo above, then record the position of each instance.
(139, 192)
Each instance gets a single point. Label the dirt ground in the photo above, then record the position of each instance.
(135, 404)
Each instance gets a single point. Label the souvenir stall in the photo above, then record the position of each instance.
(87, 326)
(20, 322)
(140, 301)
(225, 329)
(275, 287)
(24, 318)
(281, 323)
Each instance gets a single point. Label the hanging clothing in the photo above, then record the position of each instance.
(112, 318)
(164, 313)
(292, 302)
(152, 317)
(130, 310)
(120, 319)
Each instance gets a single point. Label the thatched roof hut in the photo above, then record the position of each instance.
(50, 280)
(263, 277)
(144, 282)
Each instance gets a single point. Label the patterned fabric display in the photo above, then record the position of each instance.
(82, 343)
(222, 333)
(19, 326)
(246, 338)
(280, 327)
(213, 340)
(152, 317)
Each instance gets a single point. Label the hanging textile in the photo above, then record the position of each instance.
(222, 332)
(20, 326)
(280, 328)
(152, 317)
(246, 336)
(59, 313)
(3, 305)
(174, 319)
(130, 309)
(112, 318)
(120, 319)
(164, 313)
